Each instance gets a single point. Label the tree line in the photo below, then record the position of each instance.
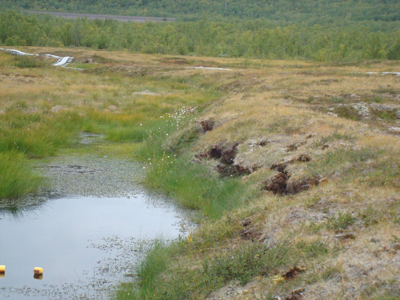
(250, 38)
(294, 11)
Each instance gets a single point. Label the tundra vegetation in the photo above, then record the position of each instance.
(337, 41)
(293, 166)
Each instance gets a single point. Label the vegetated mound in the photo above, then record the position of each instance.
(324, 205)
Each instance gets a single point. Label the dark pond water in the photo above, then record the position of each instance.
(78, 241)
(87, 240)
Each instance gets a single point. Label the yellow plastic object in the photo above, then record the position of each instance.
(38, 271)
(38, 276)
(2, 275)
(2, 269)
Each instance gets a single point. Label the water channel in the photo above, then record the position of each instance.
(87, 234)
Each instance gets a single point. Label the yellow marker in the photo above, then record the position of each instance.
(2, 275)
(38, 276)
(2, 269)
(38, 271)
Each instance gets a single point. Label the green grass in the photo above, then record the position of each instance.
(341, 222)
(197, 281)
(16, 176)
(193, 186)
(37, 135)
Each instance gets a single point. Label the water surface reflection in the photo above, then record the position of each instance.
(84, 244)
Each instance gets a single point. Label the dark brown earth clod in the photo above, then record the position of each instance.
(304, 158)
(250, 234)
(291, 148)
(295, 186)
(233, 170)
(283, 183)
(245, 222)
(297, 294)
(280, 167)
(277, 184)
(207, 124)
(229, 154)
(262, 143)
(216, 151)
(292, 273)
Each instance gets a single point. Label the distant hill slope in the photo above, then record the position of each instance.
(309, 11)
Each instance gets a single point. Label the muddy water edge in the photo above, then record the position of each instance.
(87, 229)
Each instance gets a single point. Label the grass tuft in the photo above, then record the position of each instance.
(16, 177)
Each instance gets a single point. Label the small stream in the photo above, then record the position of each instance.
(87, 235)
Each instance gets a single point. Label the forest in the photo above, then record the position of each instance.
(260, 38)
(288, 11)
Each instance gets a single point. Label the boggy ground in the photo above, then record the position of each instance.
(294, 166)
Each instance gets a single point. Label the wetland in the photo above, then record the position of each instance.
(289, 169)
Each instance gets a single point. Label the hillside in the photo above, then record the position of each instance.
(287, 11)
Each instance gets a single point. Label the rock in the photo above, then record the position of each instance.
(383, 107)
(362, 109)
(394, 129)
(332, 114)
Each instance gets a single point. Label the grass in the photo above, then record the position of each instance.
(341, 222)
(16, 177)
(29, 62)
(193, 186)
(194, 282)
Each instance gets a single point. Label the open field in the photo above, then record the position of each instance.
(104, 17)
(294, 166)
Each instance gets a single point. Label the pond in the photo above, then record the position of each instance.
(87, 235)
